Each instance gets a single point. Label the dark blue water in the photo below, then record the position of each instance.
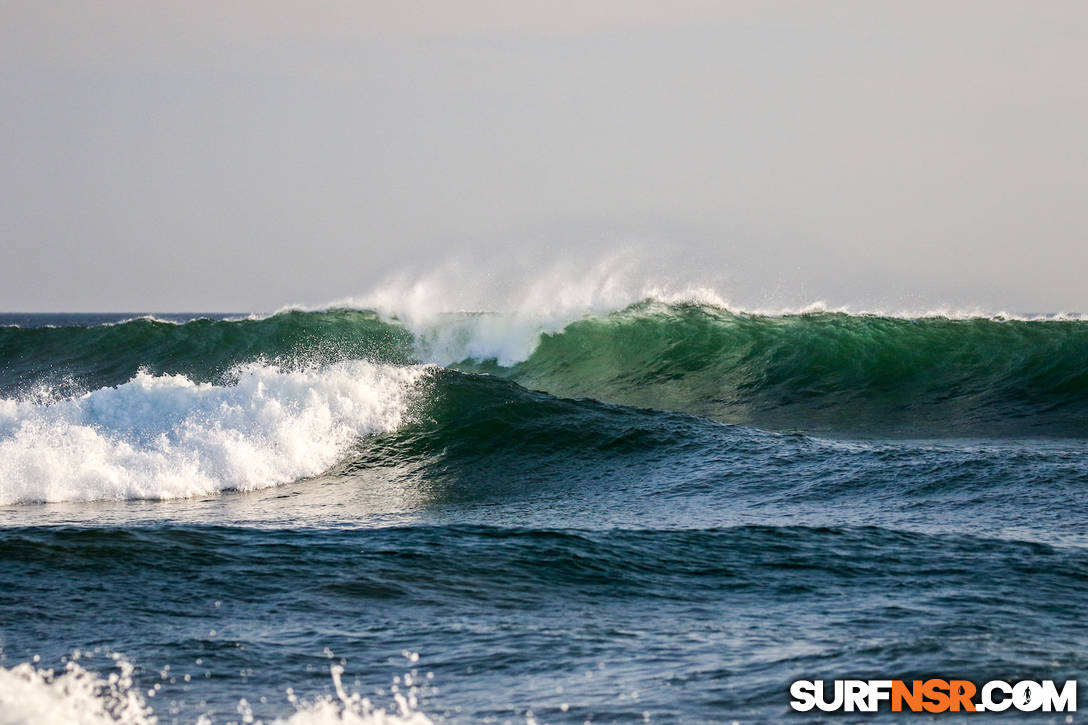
(499, 553)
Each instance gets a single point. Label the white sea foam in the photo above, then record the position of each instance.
(160, 437)
(29, 695)
(353, 708)
(76, 696)
(183, 319)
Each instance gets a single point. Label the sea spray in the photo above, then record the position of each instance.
(30, 695)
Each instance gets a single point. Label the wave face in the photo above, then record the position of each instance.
(89, 356)
(826, 371)
(823, 371)
(153, 409)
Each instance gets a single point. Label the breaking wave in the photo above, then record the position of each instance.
(166, 436)
(153, 409)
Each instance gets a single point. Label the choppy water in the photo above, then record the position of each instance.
(668, 512)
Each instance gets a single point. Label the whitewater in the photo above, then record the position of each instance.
(168, 437)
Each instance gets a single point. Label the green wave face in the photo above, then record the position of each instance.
(829, 372)
(203, 350)
(826, 371)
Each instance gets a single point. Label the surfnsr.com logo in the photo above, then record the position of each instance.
(933, 696)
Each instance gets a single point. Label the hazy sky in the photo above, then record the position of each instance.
(246, 154)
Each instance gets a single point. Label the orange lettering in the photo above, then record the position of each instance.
(961, 692)
(912, 695)
(937, 692)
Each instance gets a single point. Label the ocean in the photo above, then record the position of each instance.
(665, 512)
